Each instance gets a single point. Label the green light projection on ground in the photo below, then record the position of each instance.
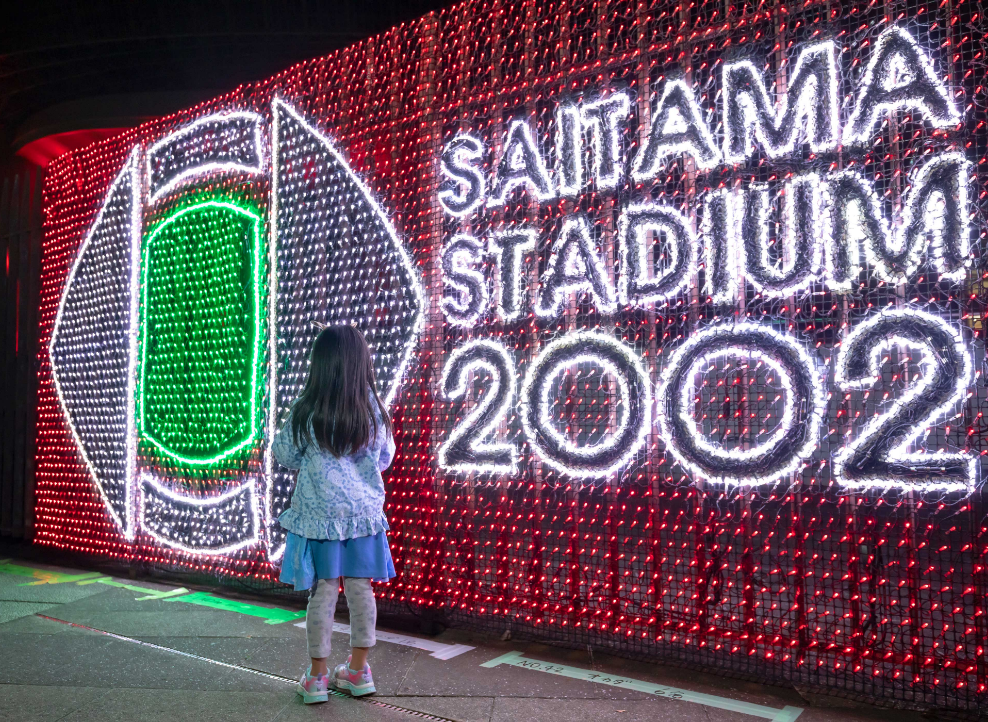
(201, 333)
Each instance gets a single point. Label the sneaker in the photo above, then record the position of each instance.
(313, 689)
(356, 683)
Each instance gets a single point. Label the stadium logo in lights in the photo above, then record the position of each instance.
(183, 331)
(180, 340)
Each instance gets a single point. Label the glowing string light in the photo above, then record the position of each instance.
(569, 148)
(811, 99)
(471, 297)
(722, 247)
(610, 455)
(634, 227)
(197, 403)
(880, 456)
(456, 164)
(218, 143)
(602, 118)
(319, 274)
(936, 206)
(802, 240)
(899, 76)
(212, 525)
(574, 266)
(521, 165)
(510, 247)
(93, 347)
(852, 215)
(798, 432)
(677, 127)
(465, 449)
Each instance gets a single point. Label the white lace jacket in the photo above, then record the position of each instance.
(335, 498)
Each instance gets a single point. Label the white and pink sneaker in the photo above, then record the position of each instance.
(356, 683)
(313, 689)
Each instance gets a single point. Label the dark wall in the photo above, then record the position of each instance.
(20, 257)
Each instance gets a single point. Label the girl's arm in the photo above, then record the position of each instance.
(284, 449)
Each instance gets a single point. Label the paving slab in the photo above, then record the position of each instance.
(33, 624)
(177, 621)
(22, 589)
(104, 598)
(51, 670)
(140, 705)
(431, 676)
(98, 661)
(461, 709)
(37, 703)
(338, 709)
(511, 709)
(231, 650)
(9, 611)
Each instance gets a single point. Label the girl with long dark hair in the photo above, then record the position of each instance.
(339, 438)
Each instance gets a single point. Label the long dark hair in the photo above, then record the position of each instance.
(340, 395)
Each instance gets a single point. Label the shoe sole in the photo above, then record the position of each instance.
(356, 690)
(310, 698)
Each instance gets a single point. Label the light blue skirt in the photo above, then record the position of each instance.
(306, 560)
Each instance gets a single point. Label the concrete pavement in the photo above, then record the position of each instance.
(77, 645)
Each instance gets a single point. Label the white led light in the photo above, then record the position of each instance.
(93, 346)
(798, 432)
(634, 226)
(521, 164)
(602, 118)
(721, 246)
(689, 388)
(335, 258)
(455, 165)
(275, 547)
(569, 150)
(471, 297)
(574, 266)
(936, 205)
(802, 239)
(899, 76)
(509, 247)
(859, 366)
(608, 456)
(228, 511)
(852, 214)
(811, 99)
(677, 127)
(465, 449)
(396, 245)
(237, 137)
(133, 327)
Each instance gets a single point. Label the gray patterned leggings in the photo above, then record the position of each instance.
(322, 607)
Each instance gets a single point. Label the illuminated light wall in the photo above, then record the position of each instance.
(679, 311)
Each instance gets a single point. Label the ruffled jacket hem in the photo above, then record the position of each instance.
(350, 527)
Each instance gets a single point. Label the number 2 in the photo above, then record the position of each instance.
(465, 450)
(881, 455)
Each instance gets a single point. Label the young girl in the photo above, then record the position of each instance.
(339, 438)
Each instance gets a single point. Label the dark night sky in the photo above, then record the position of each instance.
(56, 52)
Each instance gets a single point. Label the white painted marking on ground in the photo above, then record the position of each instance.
(437, 649)
(515, 659)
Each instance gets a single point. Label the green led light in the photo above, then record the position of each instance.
(201, 333)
